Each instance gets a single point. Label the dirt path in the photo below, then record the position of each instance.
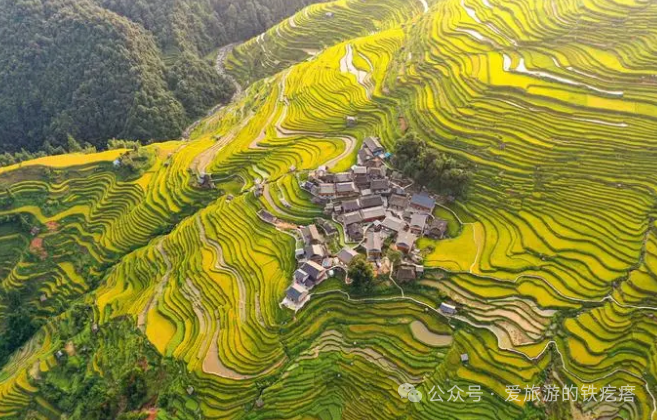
(350, 146)
(212, 363)
(205, 158)
(653, 414)
(270, 200)
(220, 68)
(281, 100)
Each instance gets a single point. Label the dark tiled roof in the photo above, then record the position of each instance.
(350, 205)
(346, 255)
(371, 201)
(439, 225)
(419, 220)
(373, 144)
(398, 201)
(342, 177)
(405, 238)
(313, 269)
(379, 184)
(354, 230)
(393, 223)
(353, 217)
(294, 294)
(327, 188)
(373, 242)
(423, 200)
(345, 187)
(373, 213)
(405, 272)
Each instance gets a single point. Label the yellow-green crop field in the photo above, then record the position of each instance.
(553, 264)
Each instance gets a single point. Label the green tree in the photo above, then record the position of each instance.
(133, 69)
(442, 173)
(135, 388)
(72, 145)
(361, 274)
(19, 326)
(395, 257)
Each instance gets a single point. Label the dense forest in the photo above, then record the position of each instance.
(98, 69)
(439, 172)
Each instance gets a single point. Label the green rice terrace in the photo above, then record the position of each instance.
(147, 284)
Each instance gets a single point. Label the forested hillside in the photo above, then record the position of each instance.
(97, 69)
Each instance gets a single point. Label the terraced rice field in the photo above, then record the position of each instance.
(554, 260)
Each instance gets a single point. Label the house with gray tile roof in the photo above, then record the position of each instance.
(423, 202)
(393, 224)
(373, 245)
(371, 201)
(373, 144)
(418, 222)
(398, 202)
(373, 213)
(405, 241)
(349, 206)
(346, 255)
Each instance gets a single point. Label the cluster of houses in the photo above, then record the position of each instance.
(315, 263)
(371, 205)
(374, 210)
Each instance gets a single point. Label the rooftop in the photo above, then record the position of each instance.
(447, 308)
(353, 217)
(311, 234)
(313, 250)
(423, 200)
(327, 188)
(373, 213)
(346, 255)
(393, 223)
(373, 242)
(351, 205)
(342, 177)
(371, 201)
(399, 201)
(419, 220)
(313, 269)
(406, 239)
(379, 184)
(406, 273)
(373, 144)
(345, 187)
(295, 292)
(359, 170)
(377, 172)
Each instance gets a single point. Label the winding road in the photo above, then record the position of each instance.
(220, 68)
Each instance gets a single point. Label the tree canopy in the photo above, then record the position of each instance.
(361, 274)
(418, 160)
(101, 69)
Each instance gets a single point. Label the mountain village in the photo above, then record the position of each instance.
(377, 209)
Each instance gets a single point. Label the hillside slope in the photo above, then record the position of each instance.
(99, 69)
(553, 268)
